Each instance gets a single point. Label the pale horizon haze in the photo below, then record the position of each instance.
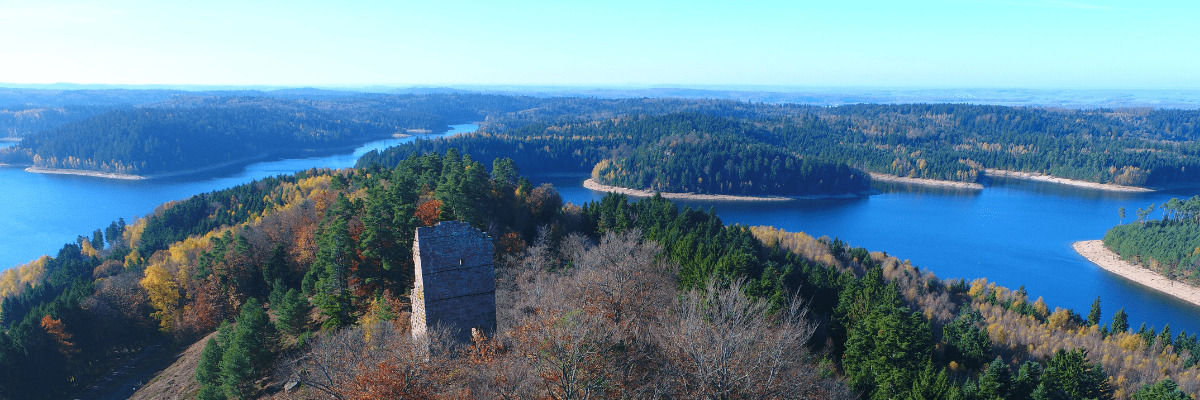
(928, 43)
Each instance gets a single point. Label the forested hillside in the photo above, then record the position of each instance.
(678, 152)
(1128, 147)
(190, 133)
(1138, 147)
(1155, 148)
(609, 299)
(1169, 245)
(16, 122)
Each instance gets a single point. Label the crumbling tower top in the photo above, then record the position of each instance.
(455, 280)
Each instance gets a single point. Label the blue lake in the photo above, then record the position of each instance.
(1013, 233)
(39, 213)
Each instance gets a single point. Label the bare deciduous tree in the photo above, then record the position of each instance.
(721, 344)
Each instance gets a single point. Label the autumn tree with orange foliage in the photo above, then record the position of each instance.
(429, 212)
(62, 339)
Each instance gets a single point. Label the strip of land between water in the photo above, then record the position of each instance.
(597, 186)
(1094, 251)
(925, 182)
(83, 172)
(1031, 176)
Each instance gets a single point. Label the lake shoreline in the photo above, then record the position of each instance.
(597, 186)
(1094, 251)
(269, 156)
(875, 176)
(83, 172)
(1031, 176)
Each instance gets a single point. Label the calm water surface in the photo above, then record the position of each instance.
(1013, 233)
(38, 213)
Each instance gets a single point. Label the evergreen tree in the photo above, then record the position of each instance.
(1026, 380)
(276, 265)
(1120, 321)
(996, 381)
(208, 370)
(334, 260)
(237, 371)
(886, 351)
(504, 172)
(210, 392)
(931, 384)
(248, 351)
(98, 239)
(292, 312)
(1069, 375)
(278, 290)
(968, 343)
(1165, 336)
(1165, 389)
(1094, 315)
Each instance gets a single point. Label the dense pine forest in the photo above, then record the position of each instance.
(1169, 245)
(612, 299)
(754, 141)
(16, 122)
(1155, 148)
(190, 133)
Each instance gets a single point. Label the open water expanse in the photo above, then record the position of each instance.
(1013, 232)
(39, 212)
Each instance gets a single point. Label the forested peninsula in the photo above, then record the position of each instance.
(1168, 245)
(309, 272)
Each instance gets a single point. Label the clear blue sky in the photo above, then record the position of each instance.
(923, 43)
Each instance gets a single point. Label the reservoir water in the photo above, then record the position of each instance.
(39, 213)
(1013, 232)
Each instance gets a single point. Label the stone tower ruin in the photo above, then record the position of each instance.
(455, 280)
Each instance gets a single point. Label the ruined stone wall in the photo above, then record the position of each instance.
(455, 280)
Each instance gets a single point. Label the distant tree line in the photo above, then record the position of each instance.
(939, 141)
(936, 141)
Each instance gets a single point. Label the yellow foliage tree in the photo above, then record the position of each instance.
(164, 296)
(133, 233)
(87, 249)
(1059, 319)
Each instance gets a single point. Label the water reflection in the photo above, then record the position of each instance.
(1060, 190)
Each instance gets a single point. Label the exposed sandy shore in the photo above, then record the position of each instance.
(925, 182)
(1094, 251)
(80, 172)
(1064, 181)
(593, 185)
